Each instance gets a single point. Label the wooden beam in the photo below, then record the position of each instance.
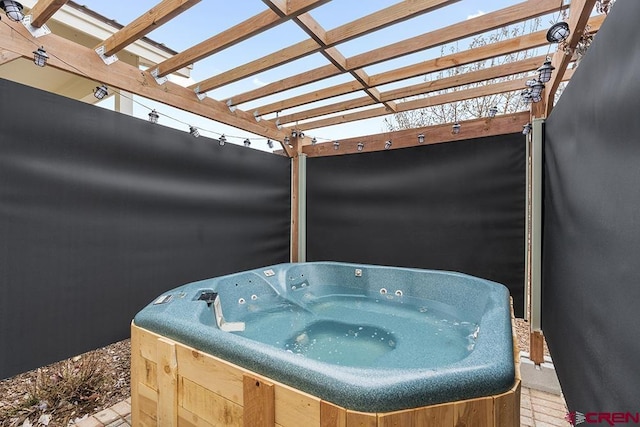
(578, 19)
(510, 123)
(466, 57)
(490, 21)
(43, 10)
(7, 56)
(287, 83)
(437, 64)
(536, 347)
(158, 15)
(265, 63)
(386, 17)
(82, 61)
(292, 8)
(234, 35)
(430, 101)
(503, 70)
(341, 89)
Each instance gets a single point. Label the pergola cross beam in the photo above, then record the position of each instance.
(158, 15)
(43, 10)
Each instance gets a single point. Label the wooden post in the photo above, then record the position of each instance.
(298, 202)
(536, 347)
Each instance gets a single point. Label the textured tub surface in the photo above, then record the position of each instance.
(367, 338)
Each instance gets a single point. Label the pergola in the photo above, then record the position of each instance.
(84, 61)
(277, 120)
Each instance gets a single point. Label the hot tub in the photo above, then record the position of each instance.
(347, 340)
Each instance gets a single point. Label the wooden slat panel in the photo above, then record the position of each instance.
(397, 419)
(436, 416)
(204, 406)
(43, 10)
(189, 419)
(506, 408)
(332, 415)
(136, 369)
(167, 383)
(474, 413)
(294, 405)
(160, 14)
(148, 404)
(361, 419)
(212, 373)
(147, 343)
(259, 402)
(458, 31)
(149, 375)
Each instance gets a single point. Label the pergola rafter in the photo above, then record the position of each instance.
(160, 14)
(44, 10)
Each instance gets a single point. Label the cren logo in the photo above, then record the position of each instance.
(575, 418)
(611, 418)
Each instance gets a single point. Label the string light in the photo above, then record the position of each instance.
(455, 129)
(421, 138)
(545, 71)
(526, 129)
(314, 141)
(336, 145)
(387, 145)
(269, 143)
(154, 116)
(247, 143)
(222, 140)
(40, 57)
(100, 92)
(493, 111)
(13, 9)
(360, 146)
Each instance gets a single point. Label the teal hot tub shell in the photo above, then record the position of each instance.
(367, 338)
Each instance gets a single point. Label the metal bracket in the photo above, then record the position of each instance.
(159, 80)
(35, 31)
(232, 107)
(200, 95)
(106, 59)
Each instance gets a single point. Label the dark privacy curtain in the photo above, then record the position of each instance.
(101, 212)
(456, 206)
(591, 244)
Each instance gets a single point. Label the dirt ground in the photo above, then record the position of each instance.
(54, 396)
(60, 393)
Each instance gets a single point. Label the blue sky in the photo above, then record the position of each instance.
(210, 17)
